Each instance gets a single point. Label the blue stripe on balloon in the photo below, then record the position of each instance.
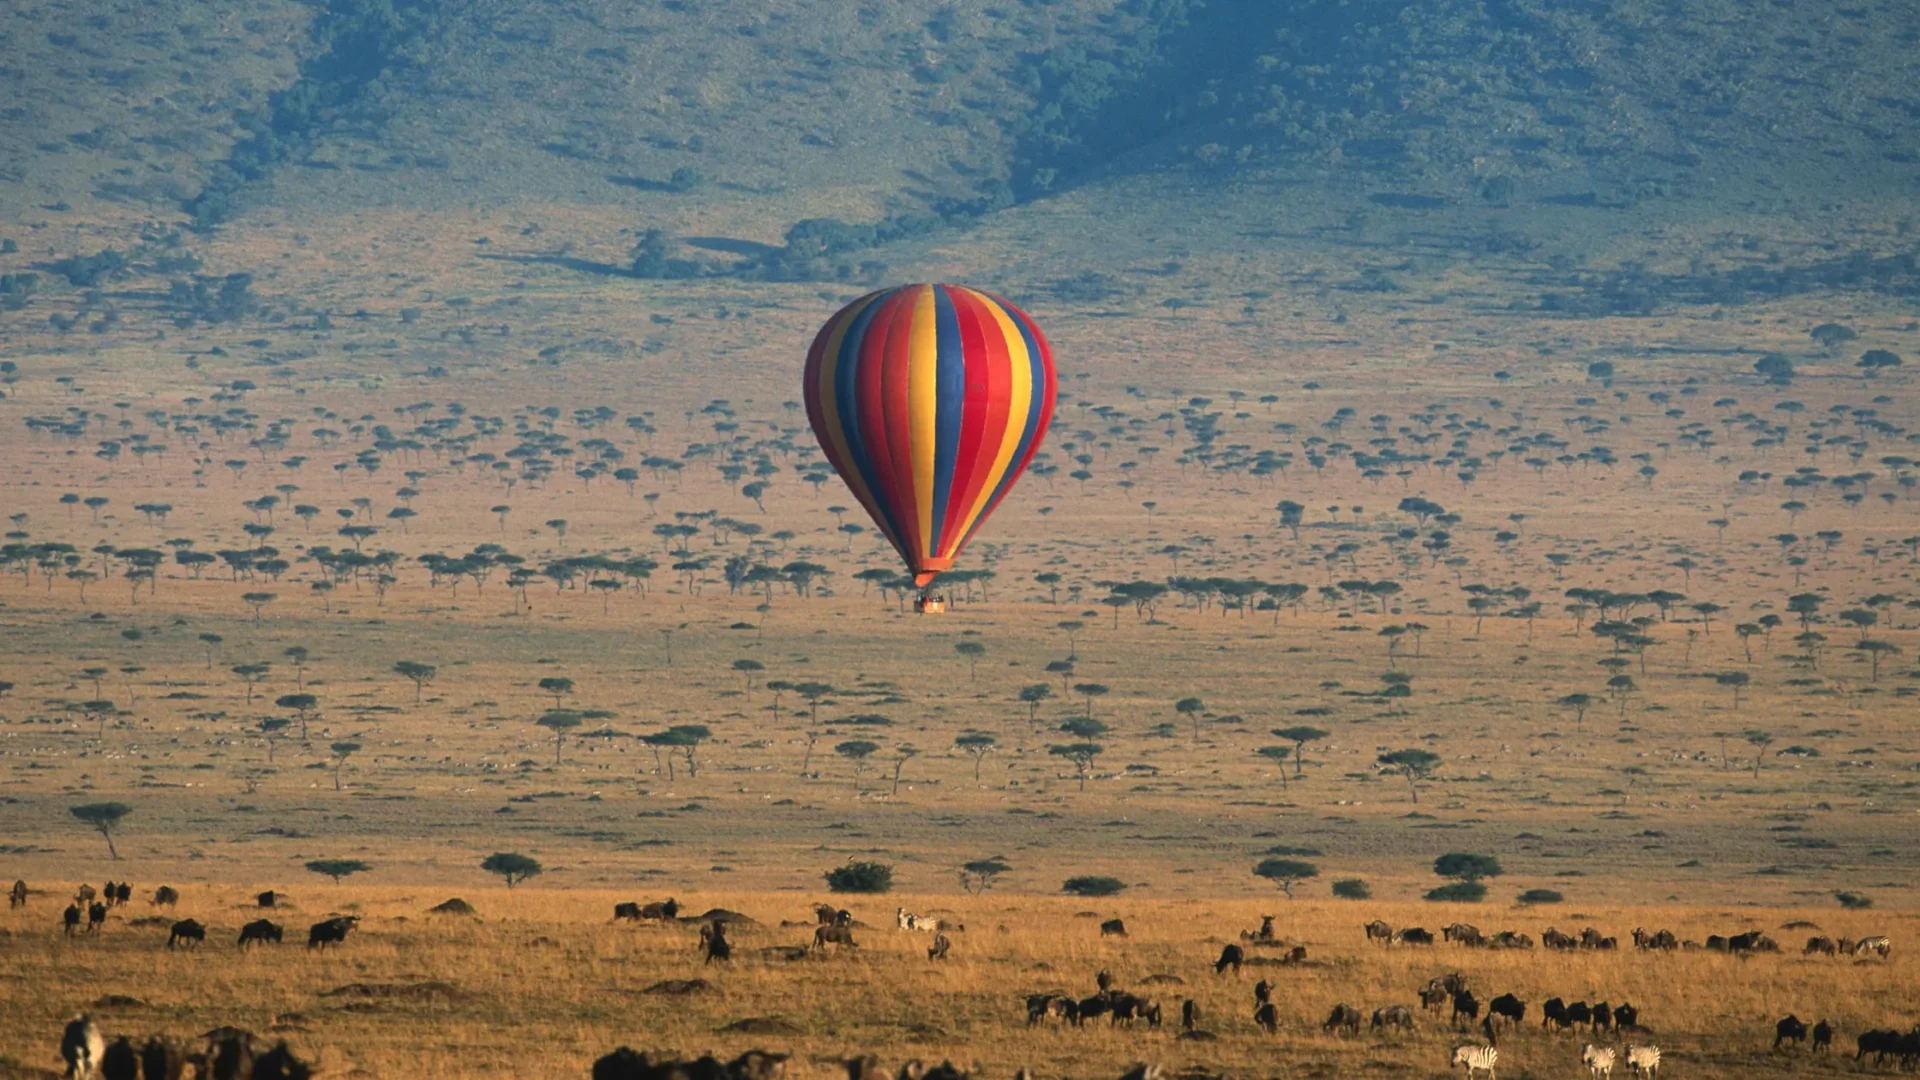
(845, 381)
(951, 387)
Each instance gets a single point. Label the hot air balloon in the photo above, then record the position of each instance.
(930, 400)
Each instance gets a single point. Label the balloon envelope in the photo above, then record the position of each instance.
(930, 401)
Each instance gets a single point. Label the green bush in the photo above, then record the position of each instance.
(860, 877)
(1540, 896)
(1089, 885)
(1460, 892)
(1352, 888)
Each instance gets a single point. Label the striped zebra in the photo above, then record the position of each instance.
(1598, 1060)
(909, 921)
(1476, 1059)
(1644, 1061)
(1874, 945)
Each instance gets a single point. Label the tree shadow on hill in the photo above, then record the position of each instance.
(585, 266)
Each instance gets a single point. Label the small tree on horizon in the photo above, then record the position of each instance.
(512, 866)
(857, 751)
(1285, 872)
(1415, 765)
(337, 868)
(1300, 735)
(104, 817)
(341, 752)
(978, 744)
(421, 674)
(559, 721)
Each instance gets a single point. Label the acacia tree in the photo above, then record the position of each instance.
(977, 744)
(303, 705)
(341, 752)
(972, 651)
(1414, 764)
(557, 685)
(1760, 740)
(421, 674)
(1032, 696)
(1278, 755)
(857, 751)
(1285, 872)
(1300, 735)
(104, 817)
(252, 673)
(1191, 708)
(512, 866)
(337, 868)
(559, 721)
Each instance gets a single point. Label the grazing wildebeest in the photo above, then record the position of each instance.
(119, 1061)
(1412, 935)
(1553, 1013)
(71, 918)
(186, 930)
(1268, 1017)
(1462, 934)
(713, 941)
(1789, 1029)
(1644, 1061)
(82, 1046)
(1818, 944)
(260, 931)
(824, 936)
(1452, 982)
(1822, 1037)
(123, 893)
(1089, 1007)
(1507, 939)
(1554, 939)
(938, 950)
(1265, 933)
(1125, 1008)
(1873, 946)
(1579, 1014)
(1716, 943)
(84, 894)
(661, 911)
(331, 931)
(1393, 1016)
(1664, 940)
(1380, 932)
(1598, 1060)
(267, 899)
(1602, 1018)
(17, 896)
(162, 1058)
(1625, 1017)
(165, 896)
(1464, 1004)
(96, 916)
(1189, 1014)
(1113, 928)
(1263, 991)
(828, 915)
(1343, 1018)
(1232, 956)
(1590, 938)
(1507, 1007)
(629, 911)
(1058, 1006)
(1295, 955)
(1476, 1059)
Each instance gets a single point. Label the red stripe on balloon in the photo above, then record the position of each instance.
(985, 417)
(895, 427)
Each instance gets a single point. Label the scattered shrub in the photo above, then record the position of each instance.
(1540, 896)
(860, 877)
(1460, 892)
(1089, 885)
(1352, 888)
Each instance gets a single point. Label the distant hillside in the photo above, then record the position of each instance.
(739, 122)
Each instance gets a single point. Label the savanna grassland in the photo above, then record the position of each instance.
(403, 465)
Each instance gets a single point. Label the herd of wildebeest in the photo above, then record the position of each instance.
(233, 1054)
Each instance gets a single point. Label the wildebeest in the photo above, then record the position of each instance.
(1090, 1007)
(1268, 1017)
(1126, 1008)
(123, 893)
(1716, 943)
(1265, 933)
(824, 936)
(17, 896)
(828, 915)
(110, 894)
(267, 899)
(1598, 1060)
(84, 894)
(1464, 1004)
(1343, 1018)
(1463, 934)
(1295, 955)
(186, 930)
(1819, 944)
(82, 1046)
(165, 896)
(1393, 1016)
(1232, 956)
(162, 1058)
(1602, 1018)
(1625, 1017)
(259, 932)
(1434, 998)
(1059, 1006)
(1263, 991)
(629, 911)
(625, 1064)
(1880, 1043)
(331, 931)
(1412, 935)
(1507, 939)
(1103, 979)
(1822, 1037)
(229, 1054)
(96, 916)
(1789, 1029)
(661, 911)
(119, 1061)
(1476, 1059)
(1189, 1014)
(714, 943)
(1644, 1061)
(938, 950)
(1507, 1007)
(1578, 1014)
(1113, 928)
(1380, 932)
(279, 1064)
(1554, 939)
(1553, 1013)
(71, 918)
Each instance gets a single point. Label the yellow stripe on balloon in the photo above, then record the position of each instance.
(923, 401)
(830, 412)
(1019, 404)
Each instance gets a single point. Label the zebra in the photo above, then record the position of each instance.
(1476, 1059)
(1644, 1061)
(909, 921)
(1874, 945)
(1598, 1060)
